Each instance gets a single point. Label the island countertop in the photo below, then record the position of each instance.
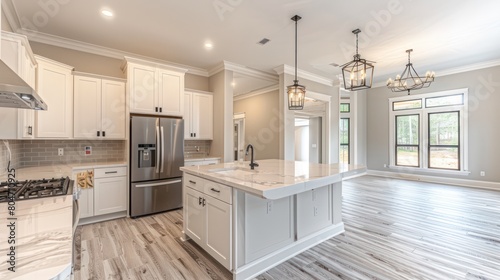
(273, 178)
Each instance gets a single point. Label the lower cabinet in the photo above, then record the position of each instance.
(110, 195)
(105, 195)
(201, 162)
(208, 217)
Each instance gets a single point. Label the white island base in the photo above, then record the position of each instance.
(250, 221)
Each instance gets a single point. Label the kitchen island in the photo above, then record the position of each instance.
(252, 220)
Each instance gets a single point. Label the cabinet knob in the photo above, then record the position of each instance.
(156, 109)
(204, 202)
(200, 200)
(30, 130)
(104, 134)
(161, 109)
(98, 133)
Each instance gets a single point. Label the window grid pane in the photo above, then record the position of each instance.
(450, 100)
(444, 140)
(344, 140)
(345, 107)
(407, 105)
(408, 140)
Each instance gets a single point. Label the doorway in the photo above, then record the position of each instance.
(239, 136)
(309, 139)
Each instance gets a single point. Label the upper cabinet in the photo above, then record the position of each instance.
(16, 53)
(99, 107)
(55, 87)
(198, 115)
(155, 88)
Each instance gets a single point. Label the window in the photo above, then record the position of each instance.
(429, 131)
(344, 140)
(345, 107)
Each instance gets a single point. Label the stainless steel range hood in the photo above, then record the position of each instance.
(16, 93)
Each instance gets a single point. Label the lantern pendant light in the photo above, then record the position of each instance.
(296, 92)
(357, 74)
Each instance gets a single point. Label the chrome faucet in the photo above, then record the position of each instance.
(252, 163)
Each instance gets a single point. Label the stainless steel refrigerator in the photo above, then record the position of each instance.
(156, 154)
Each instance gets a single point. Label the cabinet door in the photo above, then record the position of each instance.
(143, 98)
(55, 87)
(171, 92)
(314, 211)
(26, 123)
(87, 107)
(86, 202)
(202, 116)
(194, 215)
(188, 103)
(110, 195)
(218, 235)
(113, 109)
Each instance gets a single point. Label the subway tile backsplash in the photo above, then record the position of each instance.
(196, 148)
(45, 152)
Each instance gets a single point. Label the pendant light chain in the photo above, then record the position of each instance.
(296, 92)
(296, 81)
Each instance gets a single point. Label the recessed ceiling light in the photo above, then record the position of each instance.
(107, 13)
(208, 45)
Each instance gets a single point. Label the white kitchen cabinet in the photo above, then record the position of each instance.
(55, 87)
(208, 217)
(155, 88)
(99, 106)
(17, 54)
(198, 116)
(86, 203)
(110, 190)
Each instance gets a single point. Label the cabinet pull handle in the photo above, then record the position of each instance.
(212, 164)
(192, 182)
(161, 109)
(214, 190)
(156, 109)
(203, 202)
(110, 172)
(104, 134)
(200, 200)
(195, 134)
(30, 130)
(98, 133)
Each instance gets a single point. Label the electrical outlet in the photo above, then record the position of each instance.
(315, 211)
(269, 207)
(60, 152)
(482, 173)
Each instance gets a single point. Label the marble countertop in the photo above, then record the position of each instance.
(55, 171)
(274, 178)
(43, 236)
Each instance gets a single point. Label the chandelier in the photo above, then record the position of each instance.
(296, 92)
(357, 74)
(409, 79)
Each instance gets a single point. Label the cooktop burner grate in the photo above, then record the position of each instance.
(34, 189)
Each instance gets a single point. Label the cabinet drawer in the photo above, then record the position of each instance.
(216, 190)
(211, 162)
(194, 182)
(110, 172)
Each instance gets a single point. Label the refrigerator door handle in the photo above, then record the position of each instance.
(158, 149)
(158, 184)
(162, 150)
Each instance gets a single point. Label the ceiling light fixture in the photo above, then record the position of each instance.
(357, 74)
(107, 13)
(409, 79)
(296, 92)
(209, 46)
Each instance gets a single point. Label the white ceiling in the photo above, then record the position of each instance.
(444, 34)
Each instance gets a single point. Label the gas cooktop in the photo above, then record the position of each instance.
(35, 189)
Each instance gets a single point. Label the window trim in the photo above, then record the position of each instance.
(423, 113)
(396, 145)
(429, 146)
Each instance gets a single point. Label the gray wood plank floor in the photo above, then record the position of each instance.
(395, 229)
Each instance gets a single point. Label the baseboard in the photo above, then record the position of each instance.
(102, 218)
(436, 179)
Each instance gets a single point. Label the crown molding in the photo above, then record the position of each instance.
(11, 15)
(243, 70)
(256, 92)
(156, 64)
(97, 76)
(103, 51)
(287, 69)
(40, 58)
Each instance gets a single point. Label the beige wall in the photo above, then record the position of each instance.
(261, 123)
(196, 82)
(82, 61)
(483, 116)
(5, 24)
